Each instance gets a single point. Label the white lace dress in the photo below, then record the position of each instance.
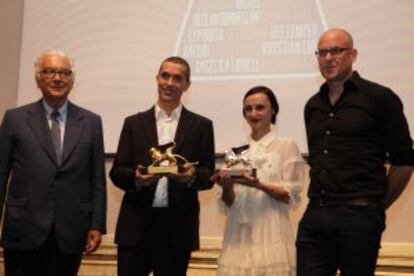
(258, 238)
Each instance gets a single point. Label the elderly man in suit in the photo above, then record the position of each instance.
(158, 222)
(52, 177)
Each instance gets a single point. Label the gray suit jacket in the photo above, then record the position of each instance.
(37, 193)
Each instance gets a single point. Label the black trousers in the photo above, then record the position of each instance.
(155, 252)
(48, 260)
(339, 237)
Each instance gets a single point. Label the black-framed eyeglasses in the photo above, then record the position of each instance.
(50, 73)
(334, 51)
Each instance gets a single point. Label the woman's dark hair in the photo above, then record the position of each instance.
(270, 95)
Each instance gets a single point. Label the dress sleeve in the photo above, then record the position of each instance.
(293, 172)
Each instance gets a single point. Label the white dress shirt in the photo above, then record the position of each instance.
(166, 128)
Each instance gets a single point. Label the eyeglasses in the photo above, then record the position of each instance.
(333, 51)
(50, 73)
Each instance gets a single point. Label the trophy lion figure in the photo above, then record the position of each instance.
(158, 156)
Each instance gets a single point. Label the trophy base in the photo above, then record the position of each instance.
(162, 169)
(235, 173)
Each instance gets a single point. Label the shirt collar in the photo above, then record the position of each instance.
(62, 110)
(265, 140)
(351, 84)
(160, 113)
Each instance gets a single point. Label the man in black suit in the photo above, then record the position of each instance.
(52, 177)
(158, 224)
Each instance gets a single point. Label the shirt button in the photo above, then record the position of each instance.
(325, 151)
(331, 114)
(327, 132)
(322, 192)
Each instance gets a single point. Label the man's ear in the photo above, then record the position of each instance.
(354, 55)
(37, 79)
(188, 86)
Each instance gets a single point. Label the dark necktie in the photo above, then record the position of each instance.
(55, 130)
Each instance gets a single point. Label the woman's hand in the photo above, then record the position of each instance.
(223, 179)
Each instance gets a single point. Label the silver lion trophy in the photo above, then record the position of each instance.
(237, 162)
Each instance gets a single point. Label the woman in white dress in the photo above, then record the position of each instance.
(258, 238)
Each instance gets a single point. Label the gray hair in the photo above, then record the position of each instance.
(46, 53)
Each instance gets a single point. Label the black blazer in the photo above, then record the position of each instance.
(40, 194)
(195, 141)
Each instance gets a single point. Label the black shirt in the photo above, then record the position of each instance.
(350, 141)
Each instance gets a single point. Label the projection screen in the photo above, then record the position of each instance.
(232, 45)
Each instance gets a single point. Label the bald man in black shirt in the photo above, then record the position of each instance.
(353, 127)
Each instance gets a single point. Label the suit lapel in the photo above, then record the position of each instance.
(183, 127)
(73, 130)
(150, 126)
(37, 122)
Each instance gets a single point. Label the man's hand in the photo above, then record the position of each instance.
(146, 179)
(186, 176)
(93, 241)
(398, 178)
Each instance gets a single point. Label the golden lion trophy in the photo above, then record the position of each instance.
(237, 162)
(164, 160)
